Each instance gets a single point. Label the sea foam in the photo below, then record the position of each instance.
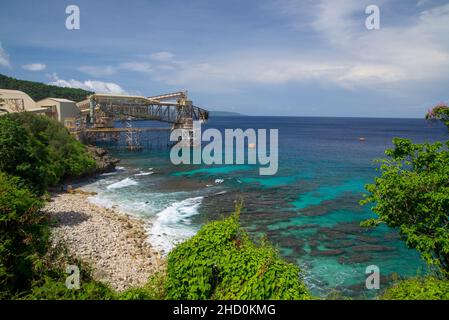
(122, 184)
(172, 225)
(142, 173)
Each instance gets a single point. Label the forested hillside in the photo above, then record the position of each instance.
(38, 91)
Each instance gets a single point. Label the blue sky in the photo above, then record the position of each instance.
(265, 57)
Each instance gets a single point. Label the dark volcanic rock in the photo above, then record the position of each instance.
(349, 227)
(314, 244)
(303, 226)
(334, 252)
(368, 239)
(105, 163)
(330, 233)
(364, 248)
(340, 244)
(354, 258)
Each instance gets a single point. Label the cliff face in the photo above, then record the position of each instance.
(105, 163)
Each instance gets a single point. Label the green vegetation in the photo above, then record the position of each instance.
(36, 152)
(153, 290)
(39, 91)
(40, 151)
(439, 112)
(412, 195)
(221, 262)
(23, 235)
(28, 270)
(421, 288)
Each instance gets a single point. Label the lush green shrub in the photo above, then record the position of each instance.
(51, 286)
(221, 262)
(153, 290)
(41, 151)
(421, 288)
(26, 270)
(68, 157)
(439, 112)
(23, 156)
(412, 195)
(23, 236)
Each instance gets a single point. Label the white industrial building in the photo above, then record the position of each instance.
(17, 101)
(63, 110)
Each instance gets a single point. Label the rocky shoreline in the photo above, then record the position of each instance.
(105, 163)
(113, 243)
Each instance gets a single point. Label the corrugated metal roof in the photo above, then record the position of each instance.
(38, 110)
(59, 100)
(13, 91)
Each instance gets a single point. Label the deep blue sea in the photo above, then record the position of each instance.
(310, 209)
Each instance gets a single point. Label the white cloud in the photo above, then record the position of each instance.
(90, 85)
(104, 71)
(162, 56)
(96, 71)
(421, 3)
(416, 51)
(343, 52)
(349, 55)
(4, 57)
(137, 66)
(34, 67)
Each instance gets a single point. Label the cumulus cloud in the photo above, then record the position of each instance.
(343, 52)
(90, 85)
(162, 56)
(97, 71)
(149, 64)
(104, 71)
(4, 57)
(34, 67)
(138, 66)
(416, 51)
(349, 55)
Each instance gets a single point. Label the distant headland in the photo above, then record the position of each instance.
(226, 114)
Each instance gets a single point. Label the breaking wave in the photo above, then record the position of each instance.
(172, 225)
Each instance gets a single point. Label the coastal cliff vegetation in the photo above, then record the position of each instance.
(411, 195)
(221, 262)
(41, 151)
(38, 91)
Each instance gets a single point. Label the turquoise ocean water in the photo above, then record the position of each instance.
(310, 209)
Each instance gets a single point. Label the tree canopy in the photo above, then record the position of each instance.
(39, 91)
(40, 151)
(439, 112)
(412, 195)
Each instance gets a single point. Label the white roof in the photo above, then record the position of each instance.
(12, 91)
(37, 110)
(58, 100)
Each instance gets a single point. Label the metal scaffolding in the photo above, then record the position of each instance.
(100, 111)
